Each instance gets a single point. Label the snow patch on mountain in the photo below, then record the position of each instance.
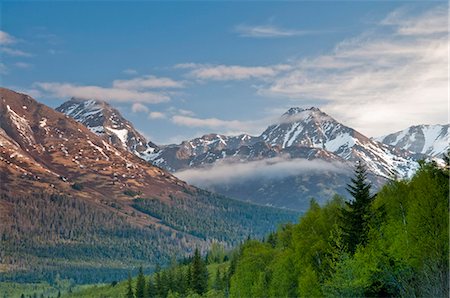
(104, 120)
(432, 140)
(22, 125)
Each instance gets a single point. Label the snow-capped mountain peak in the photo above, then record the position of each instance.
(432, 140)
(104, 120)
(303, 127)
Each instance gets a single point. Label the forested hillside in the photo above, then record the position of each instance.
(74, 206)
(56, 236)
(394, 243)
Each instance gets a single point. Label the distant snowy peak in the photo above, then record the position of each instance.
(106, 121)
(432, 140)
(299, 133)
(309, 127)
(315, 129)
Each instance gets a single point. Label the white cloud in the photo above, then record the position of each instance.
(147, 82)
(63, 90)
(228, 171)
(186, 112)
(206, 123)
(431, 22)
(130, 71)
(23, 65)
(137, 90)
(156, 115)
(268, 31)
(3, 69)
(231, 72)
(14, 52)
(228, 127)
(138, 108)
(381, 81)
(6, 39)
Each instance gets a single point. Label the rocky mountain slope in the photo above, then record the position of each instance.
(305, 154)
(432, 140)
(71, 200)
(104, 120)
(297, 130)
(253, 167)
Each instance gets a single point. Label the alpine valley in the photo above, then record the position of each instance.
(305, 154)
(78, 205)
(85, 196)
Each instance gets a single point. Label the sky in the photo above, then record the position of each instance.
(178, 70)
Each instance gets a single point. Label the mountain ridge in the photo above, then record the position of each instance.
(67, 194)
(432, 140)
(104, 120)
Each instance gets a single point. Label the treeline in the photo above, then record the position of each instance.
(214, 217)
(50, 234)
(186, 280)
(394, 243)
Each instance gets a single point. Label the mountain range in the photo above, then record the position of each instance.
(79, 204)
(305, 154)
(81, 186)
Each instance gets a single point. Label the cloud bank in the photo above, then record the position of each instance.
(144, 89)
(64, 90)
(231, 72)
(225, 171)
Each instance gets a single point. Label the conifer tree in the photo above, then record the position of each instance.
(218, 280)
(151, 290)
(356, 216)
(446, 158)
(199, 274)
(140, 284)
(189, 277)
(165, 283)
(130, 293)
(159, 287)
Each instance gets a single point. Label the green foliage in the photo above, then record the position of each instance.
(131, 193)
(130, 292)
(199, 274)
(215, 217)
(400, 245)
(52, 234)
(405, 252)
(356, 217)
(140, 284)
(150, 290)
(77, 186)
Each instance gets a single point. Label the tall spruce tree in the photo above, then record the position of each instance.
(159, 286)
(151, 290)
(140, 284)
(199, 274)
(130, 293)
(355, 218)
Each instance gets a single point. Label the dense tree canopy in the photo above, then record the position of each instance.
(402, 251)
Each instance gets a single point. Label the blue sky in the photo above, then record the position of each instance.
(182, 69)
